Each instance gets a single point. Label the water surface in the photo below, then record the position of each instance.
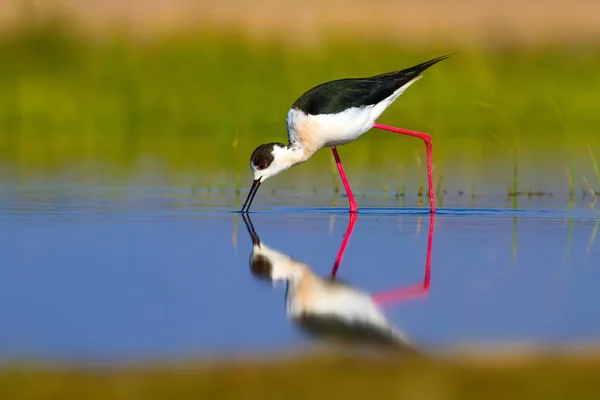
(97, 272)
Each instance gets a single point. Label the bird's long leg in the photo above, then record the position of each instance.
(427, 139)
(338, 259)
(417, 290)
(353, 206)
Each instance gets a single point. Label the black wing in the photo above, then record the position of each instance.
(338, 95)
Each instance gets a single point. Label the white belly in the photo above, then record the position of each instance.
(349, 125)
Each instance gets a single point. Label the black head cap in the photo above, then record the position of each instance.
(263, 156)
(261, 267)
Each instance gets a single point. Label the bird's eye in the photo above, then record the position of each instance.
(262, 166)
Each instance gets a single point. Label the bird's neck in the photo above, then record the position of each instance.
(290, 155)
(296, 153)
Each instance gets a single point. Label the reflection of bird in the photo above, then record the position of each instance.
(325, 307)
(335, 113)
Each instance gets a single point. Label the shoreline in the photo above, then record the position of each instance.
(295, 375)
(507, 354)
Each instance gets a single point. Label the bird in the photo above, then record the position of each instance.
(325, 307)
(334, 113)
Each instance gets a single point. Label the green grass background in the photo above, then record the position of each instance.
(202, 101)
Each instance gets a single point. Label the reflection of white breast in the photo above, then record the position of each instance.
(320, 297)
(328, 308)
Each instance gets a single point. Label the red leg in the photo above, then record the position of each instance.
(427, 139)
(338, 259)
(353, 206)
(417, 290)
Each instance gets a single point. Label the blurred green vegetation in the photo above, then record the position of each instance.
(204, 100)
(545, 377)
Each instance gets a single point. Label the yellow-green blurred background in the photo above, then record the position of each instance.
(116, 81)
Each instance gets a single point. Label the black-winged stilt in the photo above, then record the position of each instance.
(335, 113)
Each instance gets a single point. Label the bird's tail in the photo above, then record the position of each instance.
(415, 70)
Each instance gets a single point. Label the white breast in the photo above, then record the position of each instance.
(316, 131)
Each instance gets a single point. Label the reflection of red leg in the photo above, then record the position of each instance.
(427, 139)
(338, 259)
(417, 290)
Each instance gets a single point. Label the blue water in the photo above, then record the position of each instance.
(95, 273)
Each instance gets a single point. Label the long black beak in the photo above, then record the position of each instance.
(251, 231)
(251, 195)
